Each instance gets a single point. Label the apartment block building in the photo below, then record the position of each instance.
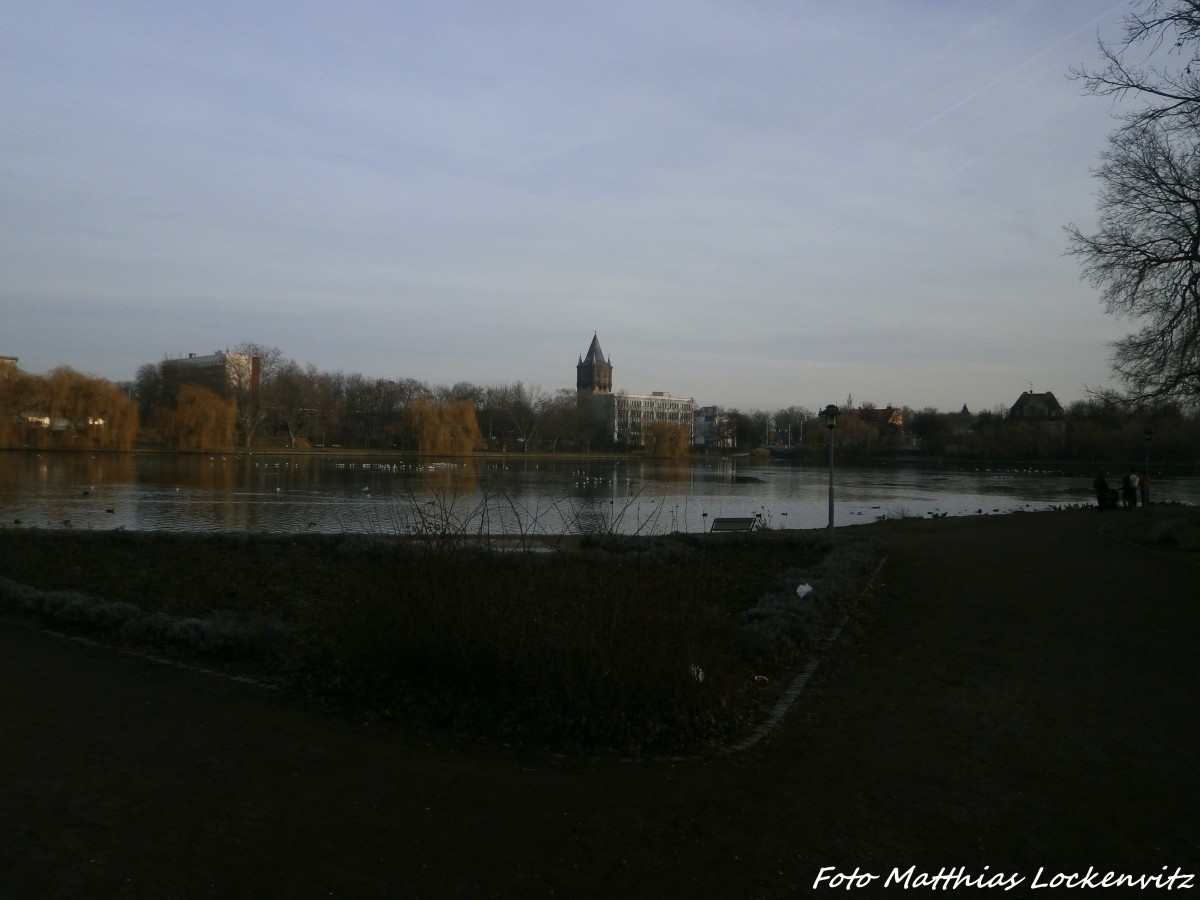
(225, 374)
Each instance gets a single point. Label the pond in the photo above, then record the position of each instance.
(402, 495)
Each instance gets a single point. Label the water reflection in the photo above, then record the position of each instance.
(261, 492)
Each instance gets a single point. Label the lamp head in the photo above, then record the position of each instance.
(830, 414)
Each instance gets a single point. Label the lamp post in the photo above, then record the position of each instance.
(1146, 476)
(830, 414)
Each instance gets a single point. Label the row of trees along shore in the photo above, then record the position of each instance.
(301, 407)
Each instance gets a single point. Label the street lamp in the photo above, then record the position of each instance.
(830, 413)
(1146, 477)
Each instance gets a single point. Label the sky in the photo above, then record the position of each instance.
(756, 203)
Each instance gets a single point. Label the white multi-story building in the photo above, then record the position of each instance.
(632, 413)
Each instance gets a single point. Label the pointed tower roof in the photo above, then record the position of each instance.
(595, 356)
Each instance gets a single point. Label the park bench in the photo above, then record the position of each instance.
(734, 524)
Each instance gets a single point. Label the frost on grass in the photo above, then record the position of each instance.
(67, 607)
(219, 635)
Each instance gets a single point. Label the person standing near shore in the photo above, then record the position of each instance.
(1100, 486)
(1144, 485)
(1129, 487)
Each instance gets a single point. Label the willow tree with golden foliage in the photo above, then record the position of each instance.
(65, 409)
(667, 440)
(200, 420)
(16, 401)
(102, 415)
(444, 429)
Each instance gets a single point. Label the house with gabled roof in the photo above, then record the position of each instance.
(887, 417)
(1037, 423)
(1031, 407)
(886, 427)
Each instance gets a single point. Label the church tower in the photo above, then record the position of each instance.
(593, 375)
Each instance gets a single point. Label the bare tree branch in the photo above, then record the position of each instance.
(1145, 256)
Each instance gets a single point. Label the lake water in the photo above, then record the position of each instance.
(395, 495)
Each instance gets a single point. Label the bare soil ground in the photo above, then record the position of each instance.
(1020, 693)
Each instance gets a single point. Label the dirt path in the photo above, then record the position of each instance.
(1022, 693)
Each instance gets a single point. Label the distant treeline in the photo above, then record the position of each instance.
(303, 407)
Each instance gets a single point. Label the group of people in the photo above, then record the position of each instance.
(1131, 485)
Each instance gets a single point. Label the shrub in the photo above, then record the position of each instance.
(66, 607)
(126, 621)
(786, 616)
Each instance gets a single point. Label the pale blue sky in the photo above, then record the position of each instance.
(753, 203)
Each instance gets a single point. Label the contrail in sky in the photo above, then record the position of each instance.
(1003, 75)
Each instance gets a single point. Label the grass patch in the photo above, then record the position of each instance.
(631, 644)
